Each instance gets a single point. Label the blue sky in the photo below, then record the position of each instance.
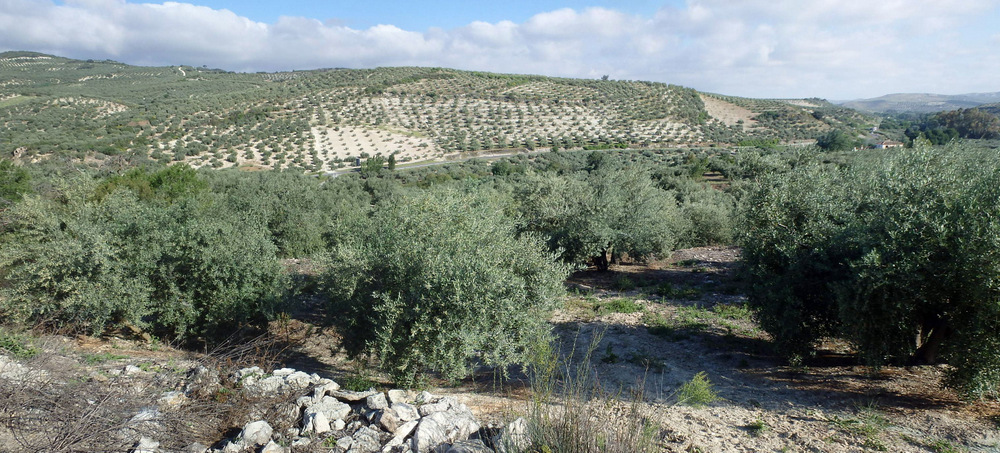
(416, 15)
(834, 49)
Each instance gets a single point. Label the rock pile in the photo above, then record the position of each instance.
(397, 421)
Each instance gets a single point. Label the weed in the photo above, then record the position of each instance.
(668, 290)
(757, 427)
(944, 446)
(869, 425)
(610, 356)
(697, 392)
(358, 382)
(17, 345)
(560, 416)
(621, 305)
(647, 361)
(94, 359)
(623, 283)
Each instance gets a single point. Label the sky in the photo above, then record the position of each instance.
(832, 49)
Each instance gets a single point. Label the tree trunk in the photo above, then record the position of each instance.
(933, 332)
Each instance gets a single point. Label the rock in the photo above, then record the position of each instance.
(441, 405)
(331, 407)
(443, 427)
(338, 425)
(387, 420)
(469, 446)
(397, 396)
(252, 372)
(376, 402)
(171, 400)
(405, 412)
(513, 437)
(131, 369)
(282, 372)
(366, 440)
(425, 397)
(255, 434)
(298, 380)
(273, 447)
(324, 388)
(352, 397)
(315, 422)
(202, 382)
(400, 435)
(301, 442)
(196, 447)
(146, 445)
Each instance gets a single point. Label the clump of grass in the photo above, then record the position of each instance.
(620, 305)
(357, 382)
(697, 392)
(668, 290)
(623, 283)
(18, 346)
(559, 418)
(757, 427)
(869, 425)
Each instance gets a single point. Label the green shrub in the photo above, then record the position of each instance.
(183, 270)
(697, 392)
(441, 281)
(896, 246)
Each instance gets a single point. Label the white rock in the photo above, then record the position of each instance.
(331, 407)
(255, 434)
(315, 422)
(298, 380)
(398, 396)
(146, 445)
(376, 402)
(282, 372)
(324, 388)
(405, 412)
(338, 425)
(443, 427)
(513, 437)
(171, 400)
(273, 447)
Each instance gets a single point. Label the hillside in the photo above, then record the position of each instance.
(324, 119)
(921, 102)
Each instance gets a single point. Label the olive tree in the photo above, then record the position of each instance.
(440, 281)
(898, 252)
(598, 216)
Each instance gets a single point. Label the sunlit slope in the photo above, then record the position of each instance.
(324, 119)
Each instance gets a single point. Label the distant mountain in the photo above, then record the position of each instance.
(921, 102)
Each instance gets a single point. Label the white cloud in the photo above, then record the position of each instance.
(766, 48)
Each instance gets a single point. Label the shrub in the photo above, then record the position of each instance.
(183, 270)
(898, 252)
(441, 281)
(697, 392)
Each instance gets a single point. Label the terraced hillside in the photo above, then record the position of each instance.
(324, 119)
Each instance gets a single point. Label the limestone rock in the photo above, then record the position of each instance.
(443, 427)
(405, 412)
(255, 434)
(376, 402)
(352, 397)
(469, 446)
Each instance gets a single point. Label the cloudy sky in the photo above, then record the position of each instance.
(834, 49)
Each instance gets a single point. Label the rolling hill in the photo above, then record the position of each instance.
(921, 102)
(324, 119)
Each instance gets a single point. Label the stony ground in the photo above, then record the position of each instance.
(645, 330)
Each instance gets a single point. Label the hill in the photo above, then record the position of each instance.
(320, 120)
(921, 102)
